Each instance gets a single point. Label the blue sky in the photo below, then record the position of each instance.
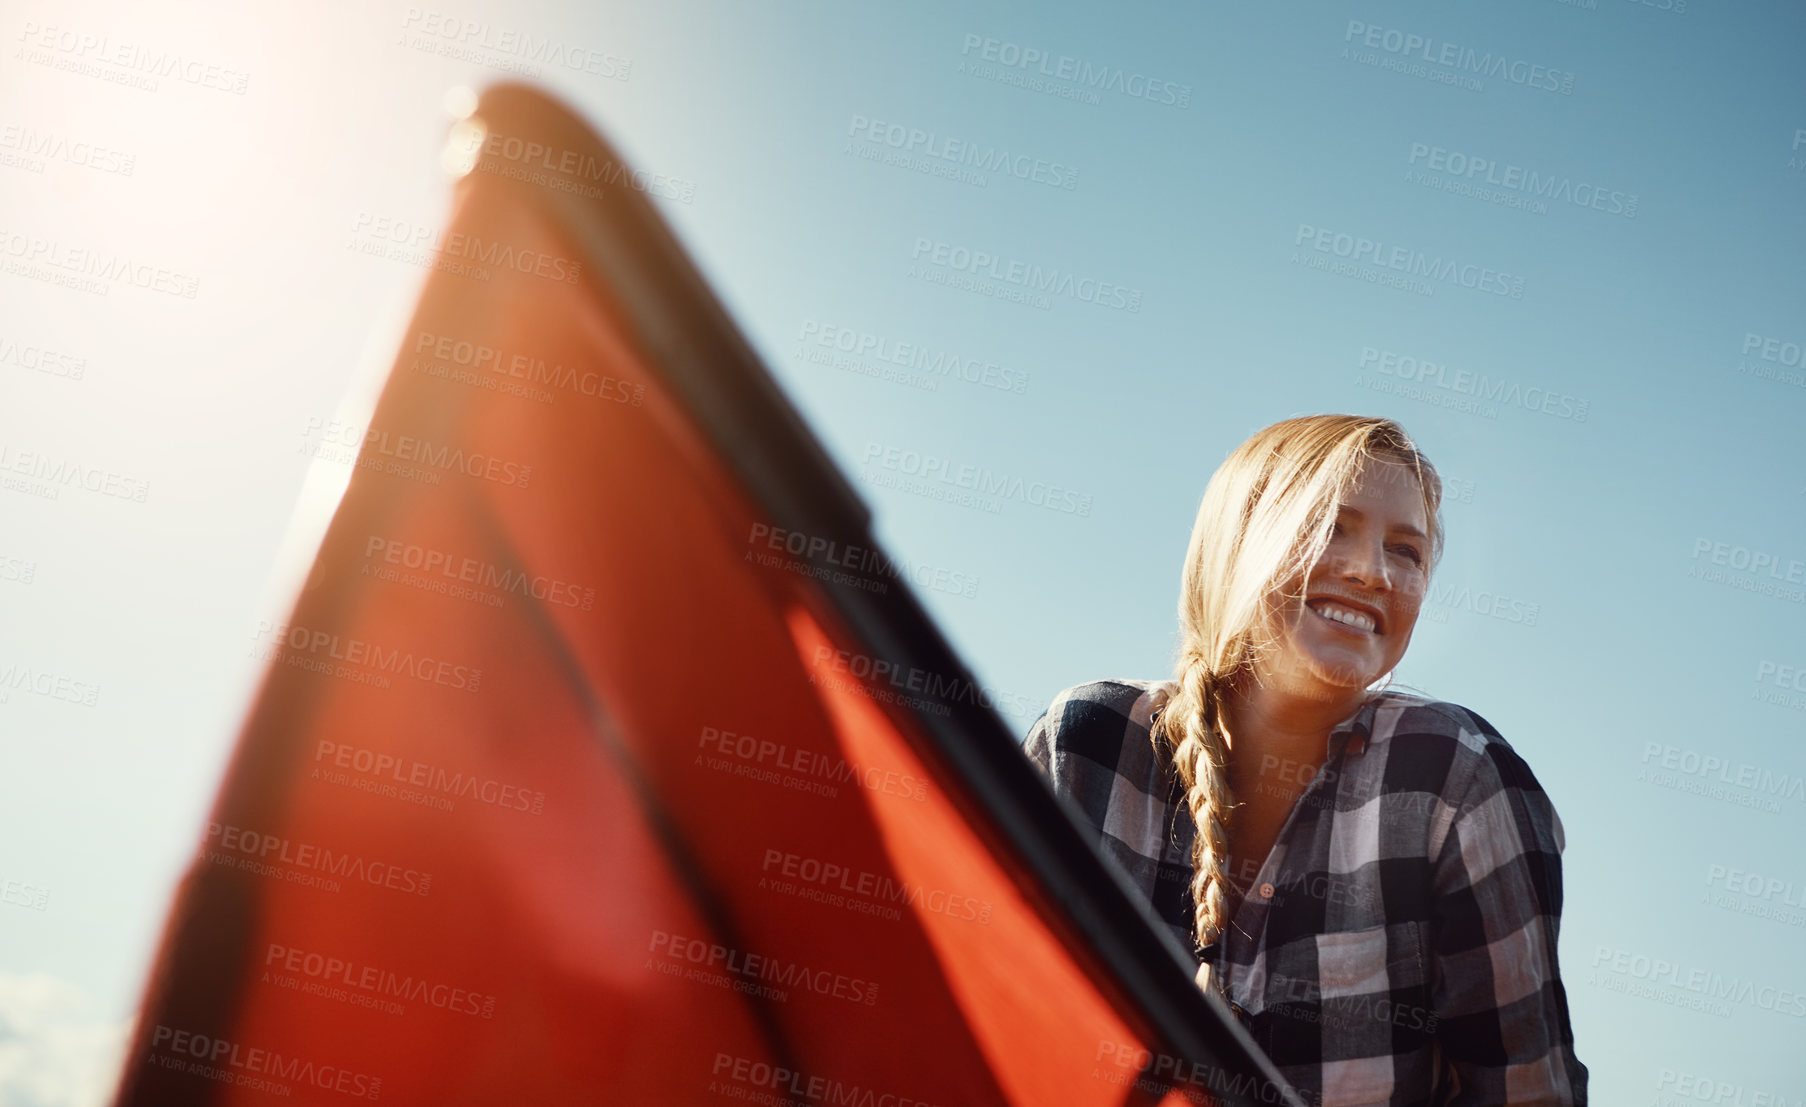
(1322, 219)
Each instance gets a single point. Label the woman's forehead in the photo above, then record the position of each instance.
(1387, 484)
(1382, 474)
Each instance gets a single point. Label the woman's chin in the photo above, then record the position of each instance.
(1323, 666)
(1339, 669)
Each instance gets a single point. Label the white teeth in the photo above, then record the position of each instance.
(1330, 609)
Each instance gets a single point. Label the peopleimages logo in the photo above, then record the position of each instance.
(1025, 275)
(1770, 888)
(384, 767)
(121, 62)
(318, 650)
(471, 248)
(20, 894)
(1478, 385)
(789, 1086)
(825, 558)
(1061, 75)
(469, 570)
(1128, 1063)
(85, 269)
(1457, 58)
(773, 762)
(34, 147)
(928, 361)
(939, 689)
(1518, 181)
(355, 444)
(955, 152)
(832, 877)
(41, 359)
(50, 685)
(467, 39)
(20, 571)
(1775, 350)
(1743, 558)
(1301, 998)
(741, 970)
(982, 481)
(567, 170)
(261, 852)
(381, 982)
(1784, 676)
(499, 370)
(1693, 1088)
(1360, 250)
(1686, 770)
(254, 1067)
(1709, 985)
(39, 474)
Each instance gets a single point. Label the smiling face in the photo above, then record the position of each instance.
(1362, 597)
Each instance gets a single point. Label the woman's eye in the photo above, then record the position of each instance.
(1411, 552)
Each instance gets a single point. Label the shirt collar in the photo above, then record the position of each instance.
(1356, 730)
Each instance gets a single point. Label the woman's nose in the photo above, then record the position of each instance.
(1367, 564)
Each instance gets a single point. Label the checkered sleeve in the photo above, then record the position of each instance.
(1093, 747)
(1039, 742)
(1078, 743)
(1502, 1011)
(1081, 781)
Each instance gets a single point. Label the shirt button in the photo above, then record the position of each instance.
(1266, 891)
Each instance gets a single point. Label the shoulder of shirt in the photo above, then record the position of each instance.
(1478, 743)
(1121, 695)
(1410, 713)
(1482, 757)
(1132, 700)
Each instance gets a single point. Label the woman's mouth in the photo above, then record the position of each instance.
(1343, 617)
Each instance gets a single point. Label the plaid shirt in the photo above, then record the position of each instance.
(1398, 944)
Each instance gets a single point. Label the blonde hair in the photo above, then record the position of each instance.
(1266, 517)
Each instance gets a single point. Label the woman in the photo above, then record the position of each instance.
(1370, 879)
